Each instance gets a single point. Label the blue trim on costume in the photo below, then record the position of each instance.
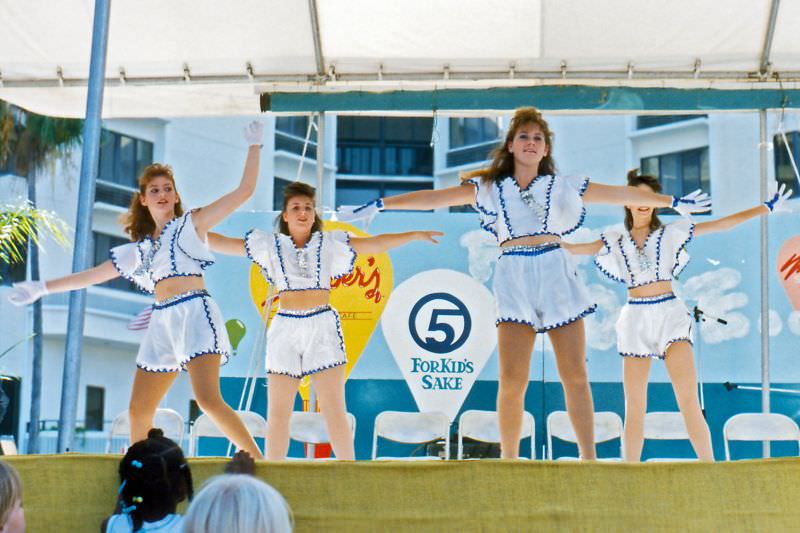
(319, 257)
(484, 214)
(204, 263)
(532, 251)
(182, 366)
(211, 323)
(610, 253)
(326, 367)
(502, 320)
(503, 208)
(588, 311)
(124, 274)
(199, 294)
(353, 256)
(280, 259)
(655, 355)
(677, 268)
(652, 299)
(287, 313)
(658, 253)
(295, 376)
(627, 263)
(678, 339)
(548, 193)
(378, 202)
(339, 332)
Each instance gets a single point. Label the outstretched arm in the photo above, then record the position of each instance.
(209, 216)
(583, 248)
(387, 241)
(694, 202)
(226, 245)
(27, 292)
(597, 193)
(423, 200)
(776, 204)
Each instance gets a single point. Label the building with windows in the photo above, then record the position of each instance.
(365, 157)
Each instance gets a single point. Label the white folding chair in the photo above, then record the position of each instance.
(8, 446)
(310, 428)
(411, 428)
(483, 426)
(759, 427)
(665, 425)
(204, 427)
(607, 426)
(168, 420)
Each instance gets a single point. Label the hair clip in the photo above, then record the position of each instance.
(137, 499)
(136, 464)
(122, 486)
(130, 508)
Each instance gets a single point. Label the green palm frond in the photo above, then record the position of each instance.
(21, 222)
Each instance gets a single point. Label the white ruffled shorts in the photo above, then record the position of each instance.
(538, 286)
(648, 326)
(181, 328)
(302, 342)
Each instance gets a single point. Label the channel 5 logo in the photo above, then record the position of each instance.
(449, 325)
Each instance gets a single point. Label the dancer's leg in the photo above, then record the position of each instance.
(149, 388)
(635, 371)
(680, 365)
(281, 391)
(514, 344)
(204, 373)
(569, 344)
(329, 385)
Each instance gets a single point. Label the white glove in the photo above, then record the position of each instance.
(777, 204)
(27, 292)
(365, 212)
(694, 202)
(254, 133)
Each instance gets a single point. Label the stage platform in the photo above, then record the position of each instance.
(74, 492)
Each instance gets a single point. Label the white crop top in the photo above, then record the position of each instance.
(662, 258)
(549, 205)
(326, 255)
(178, 251)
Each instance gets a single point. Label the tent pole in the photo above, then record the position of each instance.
(764, 245)
(83, 225)
(321, 193)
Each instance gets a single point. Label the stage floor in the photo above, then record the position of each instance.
(74, 492)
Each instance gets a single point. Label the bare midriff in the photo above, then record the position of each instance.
(531, 240)
(304, 299)
(651, 289)
(167, 288)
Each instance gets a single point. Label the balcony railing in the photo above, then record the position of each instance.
(113, 193)
(470, 154)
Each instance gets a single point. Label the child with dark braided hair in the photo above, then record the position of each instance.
(154, 478)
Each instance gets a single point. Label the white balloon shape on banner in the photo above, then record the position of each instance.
(439, 325)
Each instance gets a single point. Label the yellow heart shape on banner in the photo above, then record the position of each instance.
(359, 297)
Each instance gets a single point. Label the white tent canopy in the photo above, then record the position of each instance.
(205, 57)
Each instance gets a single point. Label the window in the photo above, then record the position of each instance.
(385, 146)
(471, 140)
(397, 151)
(651, 121)
(277, 193)
(95, 408)
(122, 160)
(681, 172)
(102, 244)
(784, 173)
(12, 273)
(290, 136)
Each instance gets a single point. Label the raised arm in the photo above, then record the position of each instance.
(226, 245)
(776, 204)
(387, 241)
(27, 292)
(583, 248)
(209, 216)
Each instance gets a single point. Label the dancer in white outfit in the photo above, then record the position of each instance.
(654, 323)
(528, 207)
(305, 336)
(167, 258)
